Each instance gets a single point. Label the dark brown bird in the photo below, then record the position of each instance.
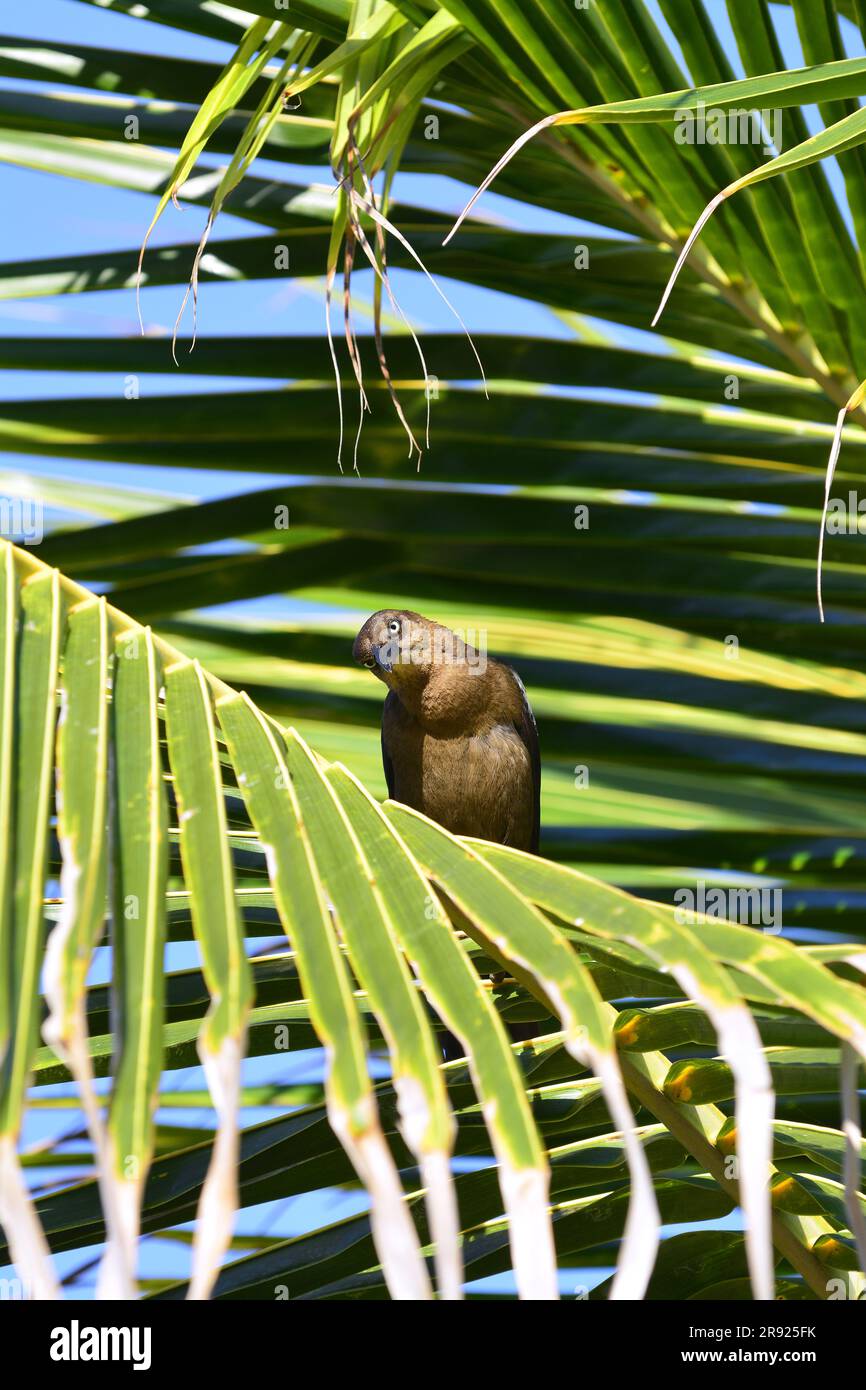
(459, 740)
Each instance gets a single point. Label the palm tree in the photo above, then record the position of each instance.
(647, 560)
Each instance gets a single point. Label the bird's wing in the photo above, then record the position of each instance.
(387, 763)
(528, 731)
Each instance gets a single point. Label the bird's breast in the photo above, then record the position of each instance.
(473, 784)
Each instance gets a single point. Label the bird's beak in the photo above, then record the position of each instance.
(383, 656)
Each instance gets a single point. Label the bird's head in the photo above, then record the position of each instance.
(404, 649)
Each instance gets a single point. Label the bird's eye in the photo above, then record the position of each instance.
(393, 626)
